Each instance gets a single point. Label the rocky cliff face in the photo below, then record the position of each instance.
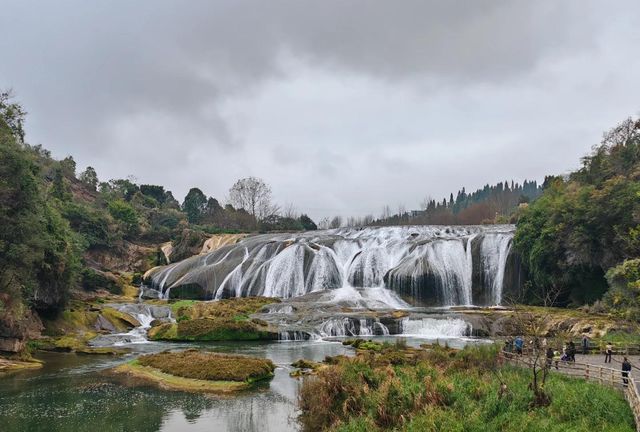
(17, 325)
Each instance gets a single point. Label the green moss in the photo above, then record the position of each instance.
(121, 321)
(222, 320)
(14, 365)
(209, 366)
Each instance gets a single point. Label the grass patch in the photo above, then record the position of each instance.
(446, 390)
(209, 366)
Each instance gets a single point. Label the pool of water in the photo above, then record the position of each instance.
(76, 393)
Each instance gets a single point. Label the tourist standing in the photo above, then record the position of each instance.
(608, 350)
(585, 344)
(571, 352)
(550, 355)
(626, 368)
(519, 344)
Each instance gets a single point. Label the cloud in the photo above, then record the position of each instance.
(342, 106)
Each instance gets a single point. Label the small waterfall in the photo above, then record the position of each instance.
(494, 252)
(145, 314)
(432, 328)
(294, 336)
(352, 327)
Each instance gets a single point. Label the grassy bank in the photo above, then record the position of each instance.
(193, 370)
(445, 390)
(227, 319)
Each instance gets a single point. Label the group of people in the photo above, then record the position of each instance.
(568, 354)
(553, 357)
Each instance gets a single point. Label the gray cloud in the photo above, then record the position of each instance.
(342, 106)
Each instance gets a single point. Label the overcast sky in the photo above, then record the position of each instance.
(341, 106)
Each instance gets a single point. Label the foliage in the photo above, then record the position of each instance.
(90, 178)
(307, 223)
(194, 205)
(12, 115)
(585, 224)
(497, 203)
(39, 255)
(126, 214)
(448, 390)
(280, 223)
(624, 294)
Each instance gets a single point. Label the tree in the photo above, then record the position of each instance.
(68, 166)
(59, 185)
(125, 213)
(13, 115)
(307, 223)
(154, 191)
(90, 178)
(39, 255)
(194, 205)
(336, 222)
(253, 195)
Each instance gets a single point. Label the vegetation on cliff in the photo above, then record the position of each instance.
(586, 224)
(447, 390)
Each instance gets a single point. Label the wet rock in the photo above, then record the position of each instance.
(103, 324)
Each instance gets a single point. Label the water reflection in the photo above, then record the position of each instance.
(72, 393)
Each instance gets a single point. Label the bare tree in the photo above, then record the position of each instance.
(324, 223)
(289, 211)
(386, 212)
(336, 222)
(254, 196)
(534, 326)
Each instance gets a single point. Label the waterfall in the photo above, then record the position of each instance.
(144, 314)
(494, 252)
(425, 265)
(436, 328)
(352, 327)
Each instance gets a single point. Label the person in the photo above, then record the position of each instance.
(556, 358)
(608, 350)
(571, 351)
(585, 344)
(508, 345)
(626, 368)
(550, 355)
(519, 343)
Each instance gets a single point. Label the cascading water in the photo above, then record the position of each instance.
(425, 265)
(495, 250)
(346, 326)
(144, 314)
(436, 328)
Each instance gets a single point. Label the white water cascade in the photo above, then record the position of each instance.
(425, 265)
(433, 328)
